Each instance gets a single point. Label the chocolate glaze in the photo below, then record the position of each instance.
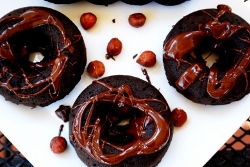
(89, 133)
(32, 18)
(184, 43)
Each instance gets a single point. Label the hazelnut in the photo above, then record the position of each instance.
(147, 59)
(95, 69)
(88, 20)
(58, 144)
(137, 20)
(179, 116)
(114, 48)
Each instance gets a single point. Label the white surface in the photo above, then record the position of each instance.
(207, 128)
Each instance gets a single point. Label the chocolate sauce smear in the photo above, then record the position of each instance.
(28, 20)
(186, 42)
(127, 117)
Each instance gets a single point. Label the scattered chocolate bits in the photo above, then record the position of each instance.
(144, 71)
(135, 56)
(63, 112)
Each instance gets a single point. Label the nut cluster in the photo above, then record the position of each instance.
(96, 68)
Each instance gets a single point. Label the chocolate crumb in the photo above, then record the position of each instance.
(113, 20)
(109, 56)
(135, 56)
(63, 112)
(144, 71)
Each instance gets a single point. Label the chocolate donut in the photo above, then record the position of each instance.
(136, 2)
(120, 121)
(216, 31)
(131, 2)
(39, 30)
(170, 2)
(63, 1)
(102, 2)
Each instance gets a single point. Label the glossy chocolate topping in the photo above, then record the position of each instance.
(30, 19)
(184, 43)
(89, 131)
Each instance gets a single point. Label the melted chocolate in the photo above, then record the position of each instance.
(186, 42)
(89, 135)
(32, 18)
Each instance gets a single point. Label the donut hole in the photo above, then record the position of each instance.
(40, 40)
(119, 124)
(35, 57)
(210, 58)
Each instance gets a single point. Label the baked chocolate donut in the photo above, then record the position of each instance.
(170, 2)
(217, 31)
(131, 2)
(55, 37)
(136, 2)
(102, 2)
(120, 121)
(63, 1)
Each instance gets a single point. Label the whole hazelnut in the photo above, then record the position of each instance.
(114, 48)
(179, 116)
(88, 20)
(137, 20)
(58, 144)
(147, 59)
(95, 69)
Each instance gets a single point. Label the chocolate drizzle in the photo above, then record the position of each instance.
(184, 43)
(90, 131)
(30, 19)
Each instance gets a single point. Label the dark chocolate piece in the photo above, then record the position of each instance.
(63, 112)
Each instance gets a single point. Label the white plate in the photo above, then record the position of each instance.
(207, 128)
